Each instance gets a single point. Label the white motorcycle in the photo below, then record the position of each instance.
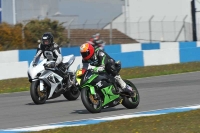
(48, 83)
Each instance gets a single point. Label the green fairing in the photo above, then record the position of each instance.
(109, 96)
(91, 79)
(107, 91)
(92, 90)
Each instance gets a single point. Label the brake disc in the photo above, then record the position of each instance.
(93, 100)
(40, 93)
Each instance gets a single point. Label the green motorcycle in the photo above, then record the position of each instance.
(100, 90)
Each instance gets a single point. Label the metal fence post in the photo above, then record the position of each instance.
(111, 32)
(184, 26)
(24, 23)
(125, 17)
(68, 34)
(98, 23)
(150, 37)
(162, 29)
(139, 28)
(182, 29)
(175, 27)
(84, 24)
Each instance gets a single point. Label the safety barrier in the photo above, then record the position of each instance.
(14, 63)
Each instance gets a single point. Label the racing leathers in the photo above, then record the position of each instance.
(51, 52)
(103, 62)
(99, 44)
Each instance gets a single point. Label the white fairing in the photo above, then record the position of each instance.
(70, 59)
(34, 70)
(54, 84)
(67, 58)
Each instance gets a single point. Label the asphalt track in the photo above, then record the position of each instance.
(18, 110)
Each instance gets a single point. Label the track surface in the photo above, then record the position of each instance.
(18, 110)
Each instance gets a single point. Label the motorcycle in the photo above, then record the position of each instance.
(49, 83)
(100, 90)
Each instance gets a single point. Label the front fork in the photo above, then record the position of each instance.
(41, 85)
(92, 91)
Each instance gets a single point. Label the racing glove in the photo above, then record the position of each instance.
(50, 65)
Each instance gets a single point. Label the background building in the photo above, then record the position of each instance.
(80, 11)
(143, 20)
(157, 20)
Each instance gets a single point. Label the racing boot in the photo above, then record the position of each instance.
(129, 90)
(124, 86)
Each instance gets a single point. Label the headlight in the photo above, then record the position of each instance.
(38, 75)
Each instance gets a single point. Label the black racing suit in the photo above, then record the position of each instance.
(51, 52)
(102, 59)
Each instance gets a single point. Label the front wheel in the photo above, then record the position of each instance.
(131, 102)
(91, 104)
(37, 96)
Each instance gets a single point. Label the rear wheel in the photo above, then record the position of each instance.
(91, 104)
(72, 94)
(131, 102)
(37, 96)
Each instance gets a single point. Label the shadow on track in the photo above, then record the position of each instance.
(103, 110)
(50, 102)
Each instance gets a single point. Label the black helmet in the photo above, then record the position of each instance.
(47, 39)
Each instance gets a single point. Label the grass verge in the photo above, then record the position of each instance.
(22, 84)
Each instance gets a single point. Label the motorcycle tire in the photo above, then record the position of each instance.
(130, 102)
(87, 101)
(72, 94)
(35, 95)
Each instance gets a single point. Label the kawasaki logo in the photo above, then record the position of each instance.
(99, 84)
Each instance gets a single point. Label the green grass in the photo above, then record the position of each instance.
(14, 85)
(184, 122)
(22, 84)
(148, 71)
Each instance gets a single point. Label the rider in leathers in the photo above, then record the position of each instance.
(49, 49)
(97, 42)
(100, 59)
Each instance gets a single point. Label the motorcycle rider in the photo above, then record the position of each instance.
(96, 41)
(51, 52)
(49, 49)
(100, 59)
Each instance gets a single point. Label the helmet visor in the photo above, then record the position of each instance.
(85, 54)
(46, 42)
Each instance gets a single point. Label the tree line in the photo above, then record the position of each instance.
(21, 36)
